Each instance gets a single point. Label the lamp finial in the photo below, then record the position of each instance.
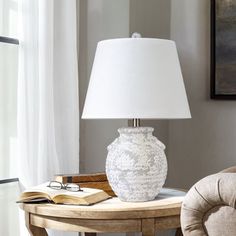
(136, 35)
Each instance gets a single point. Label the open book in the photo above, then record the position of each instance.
(43, 193)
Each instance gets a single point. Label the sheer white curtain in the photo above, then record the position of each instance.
(48, 104)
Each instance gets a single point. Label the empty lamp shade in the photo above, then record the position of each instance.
(136, 78)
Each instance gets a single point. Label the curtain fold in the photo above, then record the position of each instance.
(48, 104)
(48, 101)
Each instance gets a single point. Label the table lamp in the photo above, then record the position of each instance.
(136, 78)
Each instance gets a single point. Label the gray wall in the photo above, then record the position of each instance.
(206, 143)
(100, 19)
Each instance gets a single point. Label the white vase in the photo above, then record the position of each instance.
(136, 165)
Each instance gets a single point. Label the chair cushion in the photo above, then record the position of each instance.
(220, 220)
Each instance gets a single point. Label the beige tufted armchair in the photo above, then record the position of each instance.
(209, 208)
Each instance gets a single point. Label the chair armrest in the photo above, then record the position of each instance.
(212, 191)
(229, 170)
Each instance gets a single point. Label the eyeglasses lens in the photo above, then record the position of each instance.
(73, 187)
(55, 185)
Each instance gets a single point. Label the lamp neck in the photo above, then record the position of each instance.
(136, 122)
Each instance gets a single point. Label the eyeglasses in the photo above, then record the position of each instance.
(69, 187)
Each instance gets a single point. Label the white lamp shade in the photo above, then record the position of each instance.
(136, 78)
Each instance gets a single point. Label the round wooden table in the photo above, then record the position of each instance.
(111, 215)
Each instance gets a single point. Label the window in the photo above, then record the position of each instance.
(9, 188)
(8, 87)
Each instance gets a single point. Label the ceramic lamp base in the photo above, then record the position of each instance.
(136, 165)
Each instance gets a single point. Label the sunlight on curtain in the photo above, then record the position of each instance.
(8, 18)
(48, 104)
(48, 111)
(9, 222)
(8, 102)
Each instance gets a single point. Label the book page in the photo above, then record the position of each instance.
(43, 192)
(86, 197)
(81, 194)
(44, 189)
(53, 192)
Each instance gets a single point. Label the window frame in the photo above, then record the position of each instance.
(9, 40)
(7, 181)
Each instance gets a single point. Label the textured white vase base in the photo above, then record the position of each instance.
(136, 165)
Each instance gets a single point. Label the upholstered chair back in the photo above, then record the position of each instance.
(209, 206)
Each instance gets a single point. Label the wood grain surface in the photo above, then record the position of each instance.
(111, 209)
(111, 215)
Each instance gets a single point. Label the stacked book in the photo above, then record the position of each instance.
(97, 180)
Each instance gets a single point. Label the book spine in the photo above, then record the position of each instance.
(97, 177)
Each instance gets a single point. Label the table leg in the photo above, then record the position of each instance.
(178, 232)
(34, 230)
(148, 227)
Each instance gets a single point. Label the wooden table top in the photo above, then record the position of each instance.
(168, 203)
